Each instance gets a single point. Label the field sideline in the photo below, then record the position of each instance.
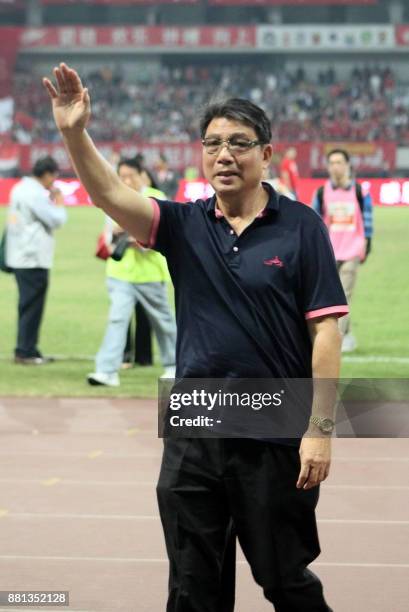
(77, 310)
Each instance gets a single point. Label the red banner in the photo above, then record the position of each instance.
(74, 193)
(384, 192)
(179, 156)
(123, 2)
(365, 156)
(289, 2)
(139, 36)
(10, 157)
(402, 35)
(9, 48)
(311, 158)
(234, 38)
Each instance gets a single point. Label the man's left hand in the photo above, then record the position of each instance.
(57, 196)
(315, 455)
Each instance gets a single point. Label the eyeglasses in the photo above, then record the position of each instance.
(235, 144)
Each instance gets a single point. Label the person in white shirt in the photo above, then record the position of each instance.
(36, 210)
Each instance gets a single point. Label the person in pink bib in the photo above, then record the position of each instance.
(347, 213)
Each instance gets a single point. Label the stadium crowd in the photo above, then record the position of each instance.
(369, 105)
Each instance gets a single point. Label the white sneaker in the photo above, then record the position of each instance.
(170, 372)
(348, 343)
(102, 378)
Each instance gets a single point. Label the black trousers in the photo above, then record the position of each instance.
(32, 287)
(211, 490)
(143, 339)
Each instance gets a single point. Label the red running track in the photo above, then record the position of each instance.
(78, 512)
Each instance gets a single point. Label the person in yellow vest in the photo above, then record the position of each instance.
(140, 275)
(138, 349)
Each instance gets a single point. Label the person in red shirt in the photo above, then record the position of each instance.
(289, 170)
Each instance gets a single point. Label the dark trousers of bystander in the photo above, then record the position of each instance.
(32, 284)
(139, 352)
(211, 490)
(143, 337)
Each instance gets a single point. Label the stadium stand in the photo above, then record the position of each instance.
(369, 105)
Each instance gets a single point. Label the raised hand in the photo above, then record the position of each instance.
(71, 101)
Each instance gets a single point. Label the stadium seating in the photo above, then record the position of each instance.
(368, 106)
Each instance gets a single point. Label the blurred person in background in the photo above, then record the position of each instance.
(167, 178)
(277, 184)
(149, 181)
(140, 275)
(36, 210)
(239, 315)
(288, 172)
(138, 347)
(347, 212)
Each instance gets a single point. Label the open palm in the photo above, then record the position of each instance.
(70, 100)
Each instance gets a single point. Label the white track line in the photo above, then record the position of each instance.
(163, 560)
(152, 483)
(362, 522)
(374, 359)
(108, 455)
(93, 517)
(372, 565)
(155, 517)
(6, 357)
(85, 483)
(369, 459)
(365, 487)
(347, 358)
(82, 455)
(37, 608)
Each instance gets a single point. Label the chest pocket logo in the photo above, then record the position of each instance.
(342, 216)
(274, 262)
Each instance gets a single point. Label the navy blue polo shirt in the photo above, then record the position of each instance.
(242, 302)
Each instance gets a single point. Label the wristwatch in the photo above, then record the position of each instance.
(324, 424)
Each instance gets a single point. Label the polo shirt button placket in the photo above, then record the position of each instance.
(235, 257)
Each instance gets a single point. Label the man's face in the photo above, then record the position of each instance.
(131, 177)
(48, 178)
(228, 172)
(338, 168)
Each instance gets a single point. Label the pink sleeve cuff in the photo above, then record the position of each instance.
(338, 311)
(154, 226)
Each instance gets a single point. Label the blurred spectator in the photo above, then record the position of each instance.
(167, 180)
(139, 275)
(140, 351)
(347, 213)
(289, 171)
(36, 210)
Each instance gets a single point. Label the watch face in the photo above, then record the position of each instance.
(327, 425)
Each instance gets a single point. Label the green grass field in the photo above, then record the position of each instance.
(77, 310)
